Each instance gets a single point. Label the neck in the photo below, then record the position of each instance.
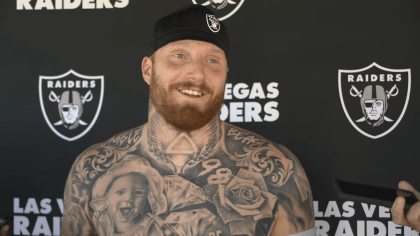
(180, 148)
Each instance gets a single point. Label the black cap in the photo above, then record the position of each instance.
(191, 22)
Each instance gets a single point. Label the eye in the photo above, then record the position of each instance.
(178, 55)
(138, 192)
(213, 61)
(74, 108)
(119, 192)
(378, 104)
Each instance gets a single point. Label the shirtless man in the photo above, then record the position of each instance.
(186, 172)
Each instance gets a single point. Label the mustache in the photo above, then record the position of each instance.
(204, 88)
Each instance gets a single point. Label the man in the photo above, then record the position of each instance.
(374, 103)
(199, 175)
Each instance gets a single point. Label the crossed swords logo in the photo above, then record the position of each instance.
(54, 98)
(354, 92)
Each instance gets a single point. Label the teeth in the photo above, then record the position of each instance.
(191, 92)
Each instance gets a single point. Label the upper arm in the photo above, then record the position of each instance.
(294, 211)
(76, 217)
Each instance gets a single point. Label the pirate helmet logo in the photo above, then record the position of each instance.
(70, 107)
(380, 107)
(213, 23)
(76, 108)
(224, 8)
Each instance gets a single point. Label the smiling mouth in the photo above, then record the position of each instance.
(126, 210)
(191, 93)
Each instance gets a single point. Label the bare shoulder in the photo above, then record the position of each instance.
(86, 169)
(283, 176)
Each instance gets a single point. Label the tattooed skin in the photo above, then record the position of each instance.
(219, 180)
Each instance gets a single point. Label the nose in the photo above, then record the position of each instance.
(374, 107)
(196, 71)
(128, 198)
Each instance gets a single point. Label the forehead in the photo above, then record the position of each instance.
(130, 179)
(192, 45)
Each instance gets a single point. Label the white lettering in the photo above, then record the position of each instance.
(389, 77)
(410, 232)
(58, 4)
(332, 209)
(236, 112)
(31, 206)
(381, 77)
(371, 225)
(70, 84)
(41, 226)
(50, 84)
(373, 78)
(240, 91)
(100, 4)
(348, 210)
(20, 225)
(57, 84)
(121, 3)
(252, 111)
(23, 5)
(398, 77)
(272, 114)
(257, 91)
(360, 228)
(16, 206)
(56, 225)
(88, 4)
(92, 84)
(322, 227)
(44, 3)
(228, 91)
(69, 4)
(368, 210)
(77, 83)
(224, 112)
(317, 212)
(60, 204)
(393, 229)
(344, 229)
(384, 212)
(273, 92)
(350, 78)
(85, 84)
(359, 78)
(45, 206)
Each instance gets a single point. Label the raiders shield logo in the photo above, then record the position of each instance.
(222, 8)
(374, 98)
(71, 103)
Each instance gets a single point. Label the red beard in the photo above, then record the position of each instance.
(187, 117)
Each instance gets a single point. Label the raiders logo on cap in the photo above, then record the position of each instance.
(213, 23)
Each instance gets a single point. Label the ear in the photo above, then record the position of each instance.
(146, 68)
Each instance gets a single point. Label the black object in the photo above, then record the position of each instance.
(191, 22)
(372, 194)
(5, 221)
